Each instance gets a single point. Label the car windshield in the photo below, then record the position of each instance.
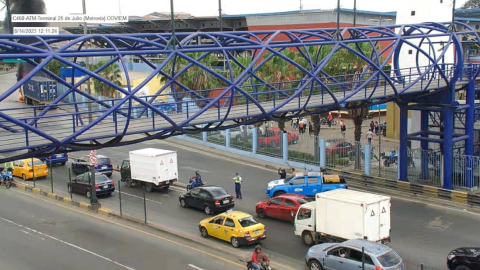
(103, 161)
(36, 162)
(247, 222)
(218, 192)
(99, 178)
(304, 200)
(389, 259)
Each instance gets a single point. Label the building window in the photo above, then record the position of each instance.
(413, 13)
(410, 51)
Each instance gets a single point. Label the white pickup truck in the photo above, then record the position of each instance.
(239, 133)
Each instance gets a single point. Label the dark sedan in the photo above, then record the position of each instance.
(82, 165)
(210, 199)
(82, 184)
(466, 258)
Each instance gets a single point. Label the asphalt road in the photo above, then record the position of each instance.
(39, 235)
(420, 233)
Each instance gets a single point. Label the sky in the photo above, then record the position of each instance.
(209, 7)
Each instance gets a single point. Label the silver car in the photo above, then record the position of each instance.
(348, 256)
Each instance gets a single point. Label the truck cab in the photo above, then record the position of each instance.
(307, 184)
(305, 222)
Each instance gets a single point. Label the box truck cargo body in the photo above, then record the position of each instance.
(344, 214)
(153, 167)
(39, 91)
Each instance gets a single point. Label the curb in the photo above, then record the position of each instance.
(56, 197)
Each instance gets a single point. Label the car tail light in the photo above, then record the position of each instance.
(110, 163)
(378, 268)
(232, 198)
(113, 184)
(247, 234)
(96, 186)
(217, 202)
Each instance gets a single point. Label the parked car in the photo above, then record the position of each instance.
(307, 184)
(348, 255)
(236, 227)
(465, 258)
(82, 165)
(82, 184)
(281, 207)
(55, 159)
(239, 133)
(339, 149)
(272, 137)
(26, 170)
(210, 199)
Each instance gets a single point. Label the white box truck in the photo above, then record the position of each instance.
(344, 214)
(150, 166)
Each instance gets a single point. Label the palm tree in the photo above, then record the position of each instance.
(110, 73)
(194, 78)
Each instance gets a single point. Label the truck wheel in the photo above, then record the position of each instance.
(278, 193)
(129, 182)
(149, 187)
(314, 265)
(308, 238)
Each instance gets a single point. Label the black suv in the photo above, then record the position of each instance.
(465, 258)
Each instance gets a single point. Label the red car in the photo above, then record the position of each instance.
(281, 207)
(272, 137)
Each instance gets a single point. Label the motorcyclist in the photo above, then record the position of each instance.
(196, 180)
(258, 259)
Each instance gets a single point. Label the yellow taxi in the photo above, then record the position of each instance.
(23, 168)
(236, 227)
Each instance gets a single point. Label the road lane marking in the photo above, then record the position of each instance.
(195, 267)
(66, 243)
(33, 235)
(138, 230)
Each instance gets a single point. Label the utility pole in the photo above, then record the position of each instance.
(9, 16)
(220, 14)
(354, 13)
(87, 65)
(337, 35)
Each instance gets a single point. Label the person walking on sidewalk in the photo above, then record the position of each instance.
(330, 119)
(343, 129)
(237, 179)
(370, 135)
(310, 129)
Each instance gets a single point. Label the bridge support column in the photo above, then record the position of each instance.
(403, 147)
(447, 148)
(469, 130)
(285, 146)
(322, 154)
(254, 140)
(367, 159)
(227, 138)
(204, 137)
(425, 156)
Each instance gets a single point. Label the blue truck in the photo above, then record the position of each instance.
(307, 184)
(39, 91)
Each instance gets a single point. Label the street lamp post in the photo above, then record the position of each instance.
(87, 64)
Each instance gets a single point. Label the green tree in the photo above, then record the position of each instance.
(471, 4)
(54, 66)
(110, 73)
(194, 78)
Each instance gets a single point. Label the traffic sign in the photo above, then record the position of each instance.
(93, 160)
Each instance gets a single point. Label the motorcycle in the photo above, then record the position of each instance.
(190, 184)
(390, 159)
(6, 178)
(262, 267)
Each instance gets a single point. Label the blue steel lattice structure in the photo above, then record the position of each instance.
(245, 97)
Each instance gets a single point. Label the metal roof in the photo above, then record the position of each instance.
(393, 14)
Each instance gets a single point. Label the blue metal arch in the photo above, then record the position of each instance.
(372, 84)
